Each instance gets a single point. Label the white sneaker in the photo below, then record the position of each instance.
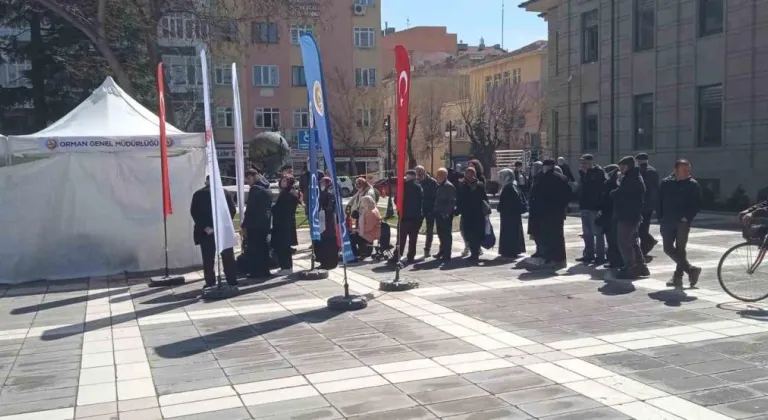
(465, 253)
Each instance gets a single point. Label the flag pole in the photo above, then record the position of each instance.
(166, 279)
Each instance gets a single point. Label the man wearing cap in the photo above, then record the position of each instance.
(628, 201)
(651, 180)
(549, 200)
(590, 193)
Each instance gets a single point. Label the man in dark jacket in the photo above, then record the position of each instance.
(628, 201)
(429, 186)
(549, 200)
(606, 220)
(651, 180)
(411, 219)
(590, 197)
(257, 223)
(566, 169)
(202, 215)
(679, 203)
(445, 206)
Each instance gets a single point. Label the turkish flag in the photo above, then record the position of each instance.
(167, 209)
(403, 72)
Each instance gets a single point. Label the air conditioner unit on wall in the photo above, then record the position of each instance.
(358, 10)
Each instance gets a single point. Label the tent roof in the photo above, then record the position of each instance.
(108, 112)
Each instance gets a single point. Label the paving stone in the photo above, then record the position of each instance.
(718, 366)
(464, 406)
(370, 400)
(743, 409)
(723, 395)
(410, 413)
(536, 394)
(596, 414)
(426, 385)
(696, 383)
(40, 405)
(559, 406)
(448, 394)
(744, 376)
(515, 383)
(230, 414)
(96, 409)
(660, 374)
(506, 413)
(287, 409)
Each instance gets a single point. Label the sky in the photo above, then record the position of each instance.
(469, 19)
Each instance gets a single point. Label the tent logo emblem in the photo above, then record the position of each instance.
(51, 144)
(169, 141)
(317, 93)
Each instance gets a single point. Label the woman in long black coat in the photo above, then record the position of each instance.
(326, 249)
(511, 208)
(473, 207)
(284, 224)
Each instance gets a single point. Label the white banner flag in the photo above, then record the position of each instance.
(223, 228)
(239, 153)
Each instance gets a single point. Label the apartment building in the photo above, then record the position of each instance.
(425, 44)
(674, 78)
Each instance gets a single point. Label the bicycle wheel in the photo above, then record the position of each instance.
(734, 277)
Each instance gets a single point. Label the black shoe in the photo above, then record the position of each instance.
(393, 260)
(438, 256)
(599, 261)
(473, 258)
(445, 259)
(676, 282)
(643, 271)
(585, 260)
(627, 275)
(693, 276)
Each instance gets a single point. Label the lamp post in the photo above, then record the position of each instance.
(451, 128)
(388, 129)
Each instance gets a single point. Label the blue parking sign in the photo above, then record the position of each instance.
(303, 138)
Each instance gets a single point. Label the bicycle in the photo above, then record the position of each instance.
(738, 267)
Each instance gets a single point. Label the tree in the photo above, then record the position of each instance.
(493, 120)
(430, 104)
(357, 113)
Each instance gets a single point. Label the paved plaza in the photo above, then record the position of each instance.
(479, 342)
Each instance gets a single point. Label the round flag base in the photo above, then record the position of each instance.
(347, 303)
(219, 292)
(315, 274)
(165, 281)
(397, 285)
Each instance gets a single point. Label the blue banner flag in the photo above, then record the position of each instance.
(314, 193)
(313, 73)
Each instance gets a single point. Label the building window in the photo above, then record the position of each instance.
(12, 75)
(223, 74)
(266, 76)
(365, 77)
(301, 118)
(590, 36)
(589, 129)
(365, 2)
(264, 33)
(496, 79)
(517, 76)
(365, 37)
(488, 83)
(267, 118)
(297, 76)
(365, 117)
(710, 118)
(643, 139)
(645, 25)
(506, 77)
(183, 28)
(227, 30)
(710, 17)
(183, 72)
(298, 30)
(224, 117)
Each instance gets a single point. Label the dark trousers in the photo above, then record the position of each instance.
(430, 220)
(208, 250)
(284, 257)
(360, 247)
(257, 250)
(444, 234)
(647, 241)
(612, 253)
(629, 244)
(675, 237)
(409, 229)
(551, 240)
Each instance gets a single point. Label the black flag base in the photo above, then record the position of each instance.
(312, 274)
(347, 303)
(220, 291)
(397, 285)
(165, 281)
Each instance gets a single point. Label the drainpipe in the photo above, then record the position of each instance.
(613, 82)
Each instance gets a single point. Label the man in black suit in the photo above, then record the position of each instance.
(651, 203)
(257, 223)
(202, 215)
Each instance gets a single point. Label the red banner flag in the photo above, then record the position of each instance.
(403, 70)
(167, 209)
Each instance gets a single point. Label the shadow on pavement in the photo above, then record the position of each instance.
(672, 297)
(64, 302)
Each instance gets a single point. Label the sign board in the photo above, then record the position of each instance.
(303, 139)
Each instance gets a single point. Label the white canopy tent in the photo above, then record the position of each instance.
(92, 205)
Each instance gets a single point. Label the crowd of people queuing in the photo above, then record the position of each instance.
(616, 206)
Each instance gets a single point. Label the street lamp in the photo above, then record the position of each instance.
(388, 129)
(450, 132)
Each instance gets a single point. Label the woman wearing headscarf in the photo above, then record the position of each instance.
(284, 224)
(326, 249)
(511, 208)
(368, 228)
